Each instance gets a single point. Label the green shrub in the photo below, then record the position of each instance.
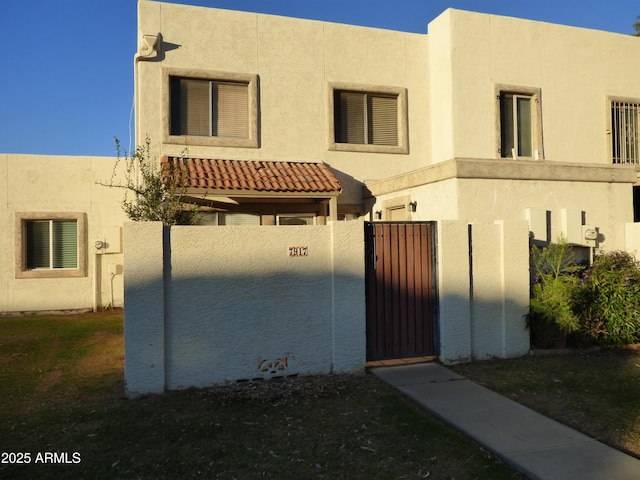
(551, 315)
(608, 301)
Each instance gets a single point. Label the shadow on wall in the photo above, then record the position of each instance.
(226, 328)
(223, 328)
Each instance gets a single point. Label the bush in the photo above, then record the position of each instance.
(551, 315)
(608, 299)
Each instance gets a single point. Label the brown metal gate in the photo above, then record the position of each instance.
(400, 290)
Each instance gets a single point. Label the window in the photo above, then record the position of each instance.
(209, 108)
(368, 119)
(229, 218)
(218, 109)
(520, 130)
(515, 121)
(50, 245)
(297, 219)
(625, 132)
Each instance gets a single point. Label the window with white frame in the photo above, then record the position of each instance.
(519, 122)
(625, 132)
(50, 245)
(516, 122)
(211, 108)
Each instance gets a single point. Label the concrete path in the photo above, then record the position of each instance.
(536, 446)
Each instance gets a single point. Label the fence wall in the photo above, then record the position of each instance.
(208, 305)
(228, 303)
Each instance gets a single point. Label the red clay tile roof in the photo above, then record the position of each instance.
(255, 175)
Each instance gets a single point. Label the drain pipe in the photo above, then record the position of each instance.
(97, 273)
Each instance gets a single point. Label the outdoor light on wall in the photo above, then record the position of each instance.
(413, 206)
(99, 244)
(378, 214)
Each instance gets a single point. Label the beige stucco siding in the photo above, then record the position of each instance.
(575, 69)
(59, 185)
(605, 205)
(296, 62)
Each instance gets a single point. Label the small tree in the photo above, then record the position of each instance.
(551, 315)
(636, 26)
(153, 192)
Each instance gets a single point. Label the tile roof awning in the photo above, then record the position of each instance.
(253, 177)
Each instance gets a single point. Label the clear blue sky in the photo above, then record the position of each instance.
(66, 82)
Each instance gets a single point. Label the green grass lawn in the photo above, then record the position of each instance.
(61, 399)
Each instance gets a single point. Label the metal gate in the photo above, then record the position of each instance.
(400, 289)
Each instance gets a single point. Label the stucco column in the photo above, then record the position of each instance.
(453, 288)
(348, 297)
(144, 362)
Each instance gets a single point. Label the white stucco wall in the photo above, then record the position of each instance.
(483, 283)
(576, 70)
(61, 184)
(238, 306)
(463, 190)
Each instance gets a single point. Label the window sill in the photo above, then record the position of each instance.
(51, 273)
(196, 140)
(356, 147)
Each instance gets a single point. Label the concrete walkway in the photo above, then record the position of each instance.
(532, 444)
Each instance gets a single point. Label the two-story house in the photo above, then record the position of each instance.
(289, 121)
(483, 118)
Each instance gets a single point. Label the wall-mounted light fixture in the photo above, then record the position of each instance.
(413, 206)
(378, 214)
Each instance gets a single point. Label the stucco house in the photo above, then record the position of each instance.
(496, 128)
(483, 118)
(52, 213)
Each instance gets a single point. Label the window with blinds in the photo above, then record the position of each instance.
(625, 132)
(209, 108)
(366, 118)
(51, 244)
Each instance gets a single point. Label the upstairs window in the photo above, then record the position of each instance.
(516, 125)
(625, 132)
(519, 122)
(209, 108)
(366, 118)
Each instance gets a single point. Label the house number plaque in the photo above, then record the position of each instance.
(298, 251)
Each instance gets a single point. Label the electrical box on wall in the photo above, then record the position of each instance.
(110, 241)
(113, 235)
(590, 235)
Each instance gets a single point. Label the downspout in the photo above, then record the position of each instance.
(149, 51)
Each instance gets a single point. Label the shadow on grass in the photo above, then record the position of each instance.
(66, 404)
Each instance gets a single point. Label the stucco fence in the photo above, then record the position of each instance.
(209, 305)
